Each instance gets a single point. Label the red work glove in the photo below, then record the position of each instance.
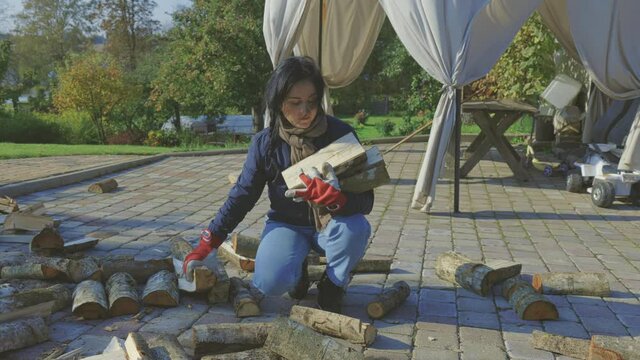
(322, 189)
(207, 243)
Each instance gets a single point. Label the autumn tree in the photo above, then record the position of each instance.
(93, 83)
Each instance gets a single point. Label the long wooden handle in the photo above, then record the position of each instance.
(409, 137)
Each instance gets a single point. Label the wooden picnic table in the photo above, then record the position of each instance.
(494, 117)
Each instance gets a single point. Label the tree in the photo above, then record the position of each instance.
(216, 61)
(129, 27)
(5, 54)
(93, 83)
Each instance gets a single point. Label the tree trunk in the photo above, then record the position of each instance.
(105, 186)
(226, 338)
(335, 325)
(255, 354)
(610, 347)
(140, 270)
(177, 124)
(122, 294)
(167, 347)
(243, 302)
(48, 240)
(528, 304)
(90, 300)
(22, 333)
(566, 283)
(162, 290)
(389, 300)
(293, 340)
(576, 348)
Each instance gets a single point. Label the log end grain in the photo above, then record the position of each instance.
(124, 306)
(540, 310)
(536, 283)
(375, 310)
(90, 311)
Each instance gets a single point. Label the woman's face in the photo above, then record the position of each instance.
(301, 104)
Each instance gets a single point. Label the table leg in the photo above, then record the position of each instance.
(502, 145)
(503, 120)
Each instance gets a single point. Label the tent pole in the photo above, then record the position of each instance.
(457, 135)
(320, 35)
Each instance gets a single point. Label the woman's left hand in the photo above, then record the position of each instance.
(322, 189)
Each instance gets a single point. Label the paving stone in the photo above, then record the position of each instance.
(523, 350)
(90, 344)
(480, 320)
(174, 320)
(432, 354)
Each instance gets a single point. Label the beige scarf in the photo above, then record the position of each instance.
(301, 142)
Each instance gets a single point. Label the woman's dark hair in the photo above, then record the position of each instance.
(288, 72)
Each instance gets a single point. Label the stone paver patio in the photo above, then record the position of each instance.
(536, 223)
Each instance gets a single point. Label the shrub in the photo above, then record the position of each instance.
(361, 117)
(410, 124)
(162, 138)
(386, 127)
(27, 128)
(76, 126)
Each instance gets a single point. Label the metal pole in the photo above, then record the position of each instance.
(320, 35)
(457, 135)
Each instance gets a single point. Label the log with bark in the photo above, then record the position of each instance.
(224, 338)
(84, 269)
(336, 325)
(576, 348)
(604, 347)
(219, 293)
(80, 244)
(29, 271)
(141, 270)
(26, 221)
(59, 294)
(245, 245)
(90, 300)
(204, 277)
(8, 205)
(244, 304)
(474, 276)
(47, 241)
(162, 290)
(226, 252)
(104, 186)
(527, 303)
(293, 340)
(22, 333)
(572, 283)
(368, 264)
(136, 347)
(122, 294)
(390, 299)
(166, 347)
(254, 354)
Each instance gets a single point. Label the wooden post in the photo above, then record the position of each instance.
(613, 348)
(122, 294)
(22, 333)
(293, 340)
(103, 186)
(227, 338)
(203, 277)
(243, 302)
(572, 283)
(90, 300)
(389, 300)
(456, 170)
(528, 304)
(576, 348)
(48, 239)
(336, 325)
(226, 251)
(162, 290)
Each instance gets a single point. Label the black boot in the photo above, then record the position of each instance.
(329, 295)
(302, 287)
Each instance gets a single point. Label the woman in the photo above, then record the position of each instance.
(319, 217)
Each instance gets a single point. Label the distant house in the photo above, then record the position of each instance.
(203, 124)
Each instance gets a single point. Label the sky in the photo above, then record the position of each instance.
(161, 13)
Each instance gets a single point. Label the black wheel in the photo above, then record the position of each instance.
(575, 183)
(603, 194)
(634, 197)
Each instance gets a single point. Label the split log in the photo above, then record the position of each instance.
(604, 347)
(390, 299)
(29, 271)
(293, 340)
(26, 221)
(244, 245)
(203, 276)
(366, 180)
(8, 205)
(162, 290)
(103, 186)
(224, 338)
(80, 244)
(528, 304)
(166, 347)
(255, 354)
(474, 276)
(336, 325)
(39, 310)
(57, 293)
(576, 348)
(122, 294)
(219, 293)
(22, 333)
(140, 270)
(341, 154)
(83, 269)
(369, 264)
(136, 347)
(226, 251)
(47, 240)
(244, 303)
(572, 283)
(90, 300)
(315, 272)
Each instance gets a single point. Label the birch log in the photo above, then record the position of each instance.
(528, 304)
(254, 354)
(576, 348)
(336, 325)
(227, 338)
(219, 293)
(162, 290)
(29, 271)
(389, 300)
(22, 333)
(57, 293)
(167, 347)
(368, 264)
(90, 300)
(140, 270)
(83, 269)
(122, 294)
(572, 283)
(293, 340)
(105, 186)
(47, 240)
(614, 348)
(244, 303)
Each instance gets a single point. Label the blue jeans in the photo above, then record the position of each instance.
(284, 247)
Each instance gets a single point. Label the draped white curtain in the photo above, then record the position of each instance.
(456, 42)
(349, 32)
(282, 25)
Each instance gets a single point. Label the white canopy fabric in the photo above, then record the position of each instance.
(456, 42)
